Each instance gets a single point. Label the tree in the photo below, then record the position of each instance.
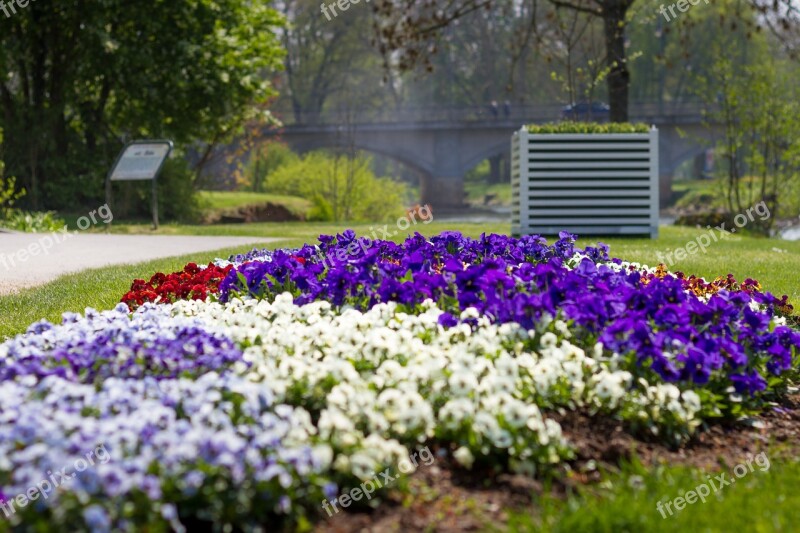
(753, 95)
(414, 31)
(82, 76)
(329, 60)
(572, 43)
(8, 188)
(411, 29)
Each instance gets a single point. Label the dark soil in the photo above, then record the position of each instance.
(267, 212)
(446, 498)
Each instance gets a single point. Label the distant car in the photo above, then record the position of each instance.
(584, 111)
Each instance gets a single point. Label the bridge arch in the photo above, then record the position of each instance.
(442, 145)
(685, 155)
(438, 187)
(500, 148)
(328, 143)
(677, 144)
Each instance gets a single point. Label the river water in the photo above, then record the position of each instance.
(791, 234)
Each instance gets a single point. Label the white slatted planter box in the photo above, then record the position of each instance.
(588, 184)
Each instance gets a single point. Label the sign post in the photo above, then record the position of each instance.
(140, 161)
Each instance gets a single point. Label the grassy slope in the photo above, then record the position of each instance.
(223, 200)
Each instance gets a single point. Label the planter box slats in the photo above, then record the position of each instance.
(605, 183)
(540, 220)
(641, 194)
(579, 230)
(588, 173)
(642, 165)
(594, 156)
(578, 211)
(581, 202)
(589, 184)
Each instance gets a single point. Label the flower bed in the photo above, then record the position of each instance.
(247, 391)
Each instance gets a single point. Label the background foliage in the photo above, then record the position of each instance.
(82, 76)
(341, 187)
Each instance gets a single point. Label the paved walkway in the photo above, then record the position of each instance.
(29, 259)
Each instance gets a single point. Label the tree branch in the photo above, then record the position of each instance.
(583, 9)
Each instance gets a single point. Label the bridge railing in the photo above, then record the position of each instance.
(644, 112)
(422, 114)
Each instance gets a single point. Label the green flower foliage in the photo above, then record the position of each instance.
(32, 221)
(588, 127)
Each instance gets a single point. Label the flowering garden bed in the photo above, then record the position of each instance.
(248, 391)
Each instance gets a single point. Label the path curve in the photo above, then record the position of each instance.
(30, 259)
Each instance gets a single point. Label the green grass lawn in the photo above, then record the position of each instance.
(225, 200)
(99, 288)
(693, 193)
(773, 262)
(477, 191)
(764, 501)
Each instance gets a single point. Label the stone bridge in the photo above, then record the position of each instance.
(442, 144)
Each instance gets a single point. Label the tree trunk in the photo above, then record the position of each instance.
(495, 175)
(618, 80)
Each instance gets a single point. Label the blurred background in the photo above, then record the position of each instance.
(280, 112)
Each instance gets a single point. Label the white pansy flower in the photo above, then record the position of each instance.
(464, 457)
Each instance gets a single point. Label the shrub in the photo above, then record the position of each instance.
(32, 221)
(588, 127)
(264, 160)
(16, 219)
(8, 194)
(321, 210)
(8, 189)
(177, 197)
(340, 188)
